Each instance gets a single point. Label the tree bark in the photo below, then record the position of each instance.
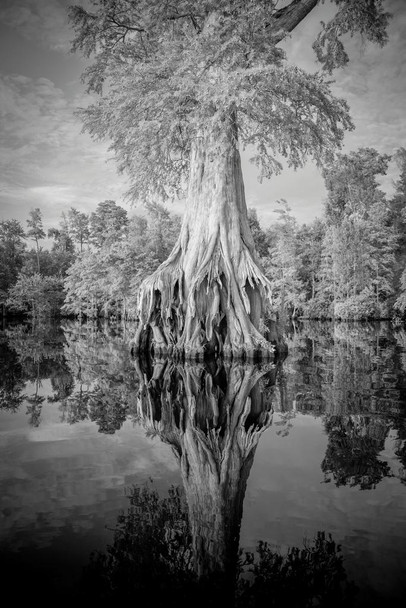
(37, 252)
(287, 18)
(207, 297)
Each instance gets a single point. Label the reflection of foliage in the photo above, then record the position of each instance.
(106, 380)
(91, 373)
(34, 408)
(40, 353)
(285, 423)
(345, 369)
(11, 380)
(152, 556)
(75, 408)
(310, 576)
(107, 410)
(400, 449)
(352, 455)
(33, 354)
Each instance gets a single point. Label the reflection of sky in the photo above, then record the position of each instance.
(61, 484)
(58, 475)
(287, 502)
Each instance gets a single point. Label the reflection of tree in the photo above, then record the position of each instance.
(352, 374)
(213, 418)
(400, 336)
(352, 455)
(106, 382)
(153, 555)
(344, 369)
(35, 402)
(312, 575)
(400, 448)
(11, 378)
(91, 373)
(37, 352)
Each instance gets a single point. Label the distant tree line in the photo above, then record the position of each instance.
(94, 266)
(350, 264)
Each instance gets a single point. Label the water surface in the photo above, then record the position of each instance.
(279, 454)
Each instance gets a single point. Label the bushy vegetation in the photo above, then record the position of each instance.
(349, 265)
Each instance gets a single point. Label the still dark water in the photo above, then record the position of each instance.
(111, 469)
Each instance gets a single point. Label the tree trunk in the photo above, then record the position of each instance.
(37, 251)
(207, 297)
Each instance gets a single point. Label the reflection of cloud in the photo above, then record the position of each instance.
(64, 473)
(43, 21)
(45, 159)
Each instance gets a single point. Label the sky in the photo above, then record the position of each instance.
(47, 162)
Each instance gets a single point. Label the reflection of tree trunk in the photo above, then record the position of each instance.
(213, 420)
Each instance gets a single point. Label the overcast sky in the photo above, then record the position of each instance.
(46, 162)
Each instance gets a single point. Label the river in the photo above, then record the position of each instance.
(289, 478)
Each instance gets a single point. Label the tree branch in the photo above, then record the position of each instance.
(287, 18)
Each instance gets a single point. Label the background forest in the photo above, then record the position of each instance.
(350, 264)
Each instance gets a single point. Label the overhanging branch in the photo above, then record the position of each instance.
(287, 18)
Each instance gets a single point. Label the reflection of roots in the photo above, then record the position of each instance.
(217, 314)
(213, 417)
(213, 400)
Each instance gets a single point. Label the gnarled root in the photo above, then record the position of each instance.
(217, 314)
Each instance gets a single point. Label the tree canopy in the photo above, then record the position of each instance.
(165, 71)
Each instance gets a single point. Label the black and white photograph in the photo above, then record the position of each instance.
(203, 303)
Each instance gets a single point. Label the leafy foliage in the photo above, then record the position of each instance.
(106, 281)
(398, 208)
(35, 230)
(194, 64)
(107, 223)
(40, 296)
(281, 265)
(12, 248)
(355, 278)
(349, 264)
(78, 227)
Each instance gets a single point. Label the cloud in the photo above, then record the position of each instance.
(42, 21)
(373, 84)
(45, 160)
